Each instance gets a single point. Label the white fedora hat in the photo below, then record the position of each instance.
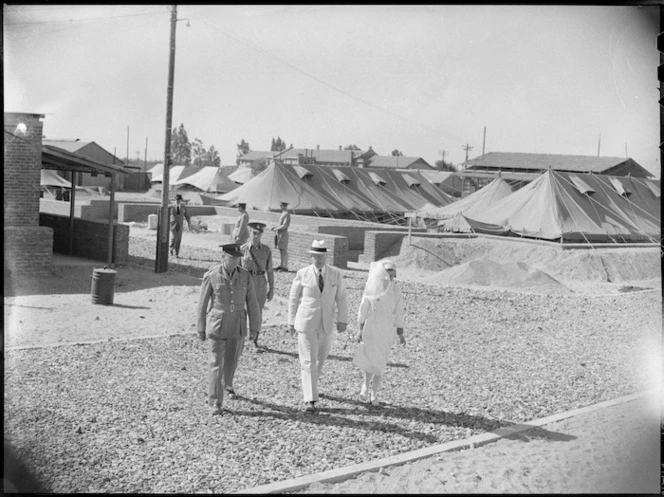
(318, 247)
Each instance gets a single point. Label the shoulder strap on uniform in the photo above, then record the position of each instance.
(251, 252)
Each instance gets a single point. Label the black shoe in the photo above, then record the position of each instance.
(310, 406)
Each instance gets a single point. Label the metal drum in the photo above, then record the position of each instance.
(103, 285)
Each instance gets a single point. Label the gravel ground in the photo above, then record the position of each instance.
(131, 416)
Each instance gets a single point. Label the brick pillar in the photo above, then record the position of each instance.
(22, 166)
(28, 246)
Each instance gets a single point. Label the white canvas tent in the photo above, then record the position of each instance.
(209, 179)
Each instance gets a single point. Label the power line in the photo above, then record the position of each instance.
(234, 36)
(87, 19)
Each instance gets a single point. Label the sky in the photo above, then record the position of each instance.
(426, 79)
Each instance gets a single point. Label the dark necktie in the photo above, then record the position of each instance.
(177, 210)
(320, 280)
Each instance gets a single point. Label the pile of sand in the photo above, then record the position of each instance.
(598, 265)
(486, 272)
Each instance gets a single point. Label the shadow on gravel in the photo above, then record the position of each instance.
(124, 306)
(538, 433)
(331, 417)
(295, 355)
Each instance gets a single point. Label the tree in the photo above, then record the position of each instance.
(180, 147)
(212, 157)
(277, 145)
(243, 147)
(442, 165)
(396, 153)
(197, 152)
(352, 147)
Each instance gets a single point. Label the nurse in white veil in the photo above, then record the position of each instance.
(380, 319)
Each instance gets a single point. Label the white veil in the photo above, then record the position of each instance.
(378, 281)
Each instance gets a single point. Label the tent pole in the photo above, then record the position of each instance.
(72, 197)
(111, 202)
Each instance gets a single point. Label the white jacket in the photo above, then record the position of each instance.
(308, 309)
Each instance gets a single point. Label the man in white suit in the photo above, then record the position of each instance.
(315, 291)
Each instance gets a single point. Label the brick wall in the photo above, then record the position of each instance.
(139, 212)
(22, 166)
(299, 244)
(28, 250)
(381, 244)
(90, 238)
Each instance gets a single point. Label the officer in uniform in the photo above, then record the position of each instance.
(230, 291)
(281, 239)
(257, 259)
(178, 215)
(241, 230)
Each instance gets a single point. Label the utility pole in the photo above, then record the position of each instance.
(626, 156)
(484, 140)
(127, 156)
(599, 142)
(161, 260)
(466, 148)
(145, 157)
(442, 153)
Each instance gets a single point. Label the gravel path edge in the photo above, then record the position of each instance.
(344, 473)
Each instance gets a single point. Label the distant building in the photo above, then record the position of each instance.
(318, 157)
(399, 162)
(519, 169)
(254, 156)
(90, 150)
(536, 163)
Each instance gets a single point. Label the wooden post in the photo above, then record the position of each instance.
(72, 197)
(109, 259)
(161, 259)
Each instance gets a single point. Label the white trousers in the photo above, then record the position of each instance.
(313, 348)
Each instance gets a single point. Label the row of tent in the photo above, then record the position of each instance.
(349, 192)
(205, 179)
(559, 206)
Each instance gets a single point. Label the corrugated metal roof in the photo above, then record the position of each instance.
(57, 158)
(68, 145)
(393, 161)
(340, 157)
(253, 155)
(513, 160)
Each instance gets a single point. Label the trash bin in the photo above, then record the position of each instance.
(103, 283)
(153, 220)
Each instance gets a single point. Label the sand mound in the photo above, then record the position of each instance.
(486, 272)
(598, 265)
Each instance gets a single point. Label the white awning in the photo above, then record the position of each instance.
(377, 179)
(581, 185)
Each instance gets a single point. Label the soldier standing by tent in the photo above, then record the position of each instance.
(281, 238)
(257, 259)
(231, 292)
(178, 215)
(241, 230)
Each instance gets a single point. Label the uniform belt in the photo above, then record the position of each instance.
(230, 308)
(256, 273)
